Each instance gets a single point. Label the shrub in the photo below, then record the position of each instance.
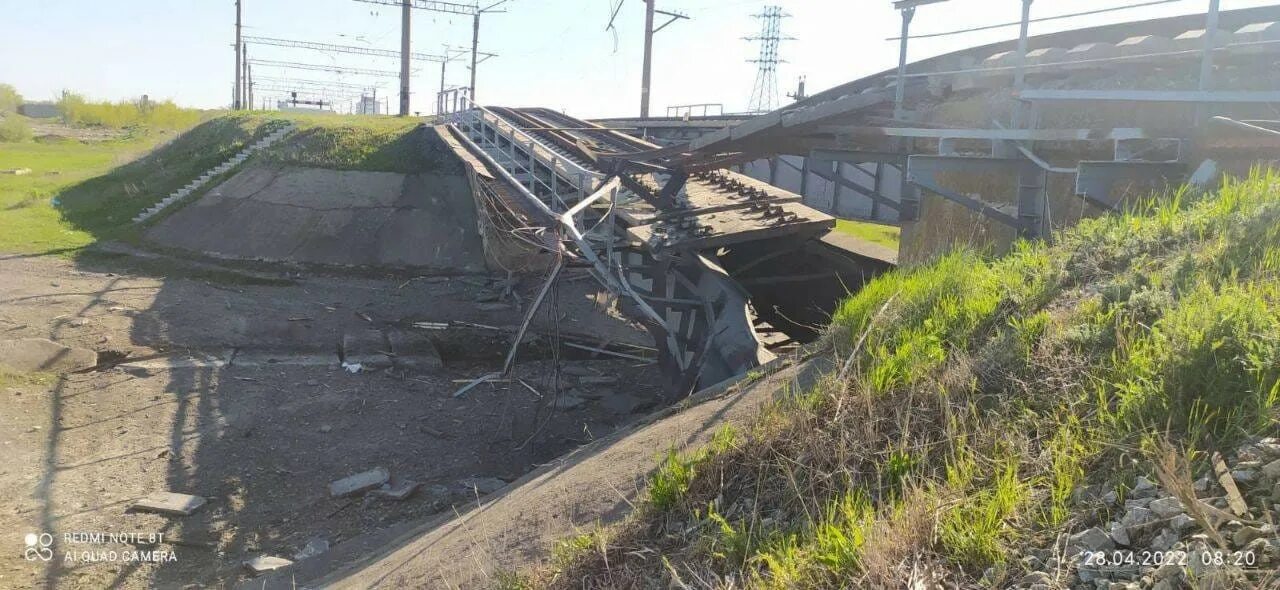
(9, 99)
(14, 129)
(76, 110)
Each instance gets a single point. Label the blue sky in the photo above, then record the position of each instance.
(553, 53)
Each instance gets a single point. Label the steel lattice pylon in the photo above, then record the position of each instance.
(765, 94)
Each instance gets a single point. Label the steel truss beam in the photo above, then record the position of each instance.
(1196, 96)
(880, 159)
(840, 180)
(1098, 182)
(1119, 133)
(923, 172)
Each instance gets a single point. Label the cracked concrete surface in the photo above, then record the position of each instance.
(332, 217)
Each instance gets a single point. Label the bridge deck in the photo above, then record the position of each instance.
(713, 209)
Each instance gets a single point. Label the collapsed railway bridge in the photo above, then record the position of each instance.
(715, 240)
(981, 146)
(724, 270)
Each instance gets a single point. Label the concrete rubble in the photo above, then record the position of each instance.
(398, 492)
(315, 546)
(29, 355)
(169, 503)
(374, 349)
(266, 563)
(482, 485)
(359, 483)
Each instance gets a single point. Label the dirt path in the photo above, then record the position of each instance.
(262, 440)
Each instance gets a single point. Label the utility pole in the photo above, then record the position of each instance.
(472, 10)
(450, 54)
(475, 42)
(405, 6)
(646, 72)
(249, 80)
(245, 101)
(235, 100)
(649, 30)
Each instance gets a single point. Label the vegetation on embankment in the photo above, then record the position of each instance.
(969, 403)
(382, 144)
(876, 233)
(80, 192)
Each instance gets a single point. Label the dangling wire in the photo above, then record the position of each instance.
(613, 13)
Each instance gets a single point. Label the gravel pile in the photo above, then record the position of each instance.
(1148, 537)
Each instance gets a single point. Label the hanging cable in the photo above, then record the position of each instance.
(1035, 20)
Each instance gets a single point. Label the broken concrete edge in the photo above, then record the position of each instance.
(170, 503)
(42, 355)
(150, 251)
(262, 564)
(356, 553)
(359, 483)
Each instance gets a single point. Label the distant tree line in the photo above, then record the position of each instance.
(76, 110)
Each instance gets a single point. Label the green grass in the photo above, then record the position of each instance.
(383, 144)
(28, 221)
(876, 233)
(986, 392)
(99, 187)
(11, 379)
(669, 484)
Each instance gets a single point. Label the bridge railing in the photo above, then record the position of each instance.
(523, 153)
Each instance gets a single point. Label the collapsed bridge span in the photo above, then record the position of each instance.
(724, 270)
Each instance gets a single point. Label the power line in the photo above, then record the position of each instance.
(322, 83)
(765, 93)
(473, 10)
(324, 68)
(305, 92)
(449, 7)
(1036, 20)
(329, 47)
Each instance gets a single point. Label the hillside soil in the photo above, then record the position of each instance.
(261, 438)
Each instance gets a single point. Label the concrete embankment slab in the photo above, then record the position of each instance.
(335, 217)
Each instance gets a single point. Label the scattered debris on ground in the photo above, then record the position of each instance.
(1177, 533)
(170, 503)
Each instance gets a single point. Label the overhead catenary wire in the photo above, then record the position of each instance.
(1035, 20)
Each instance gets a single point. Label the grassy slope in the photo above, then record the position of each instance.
(353, 143)
(983, 394)
(100, 186)
(884, 235)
